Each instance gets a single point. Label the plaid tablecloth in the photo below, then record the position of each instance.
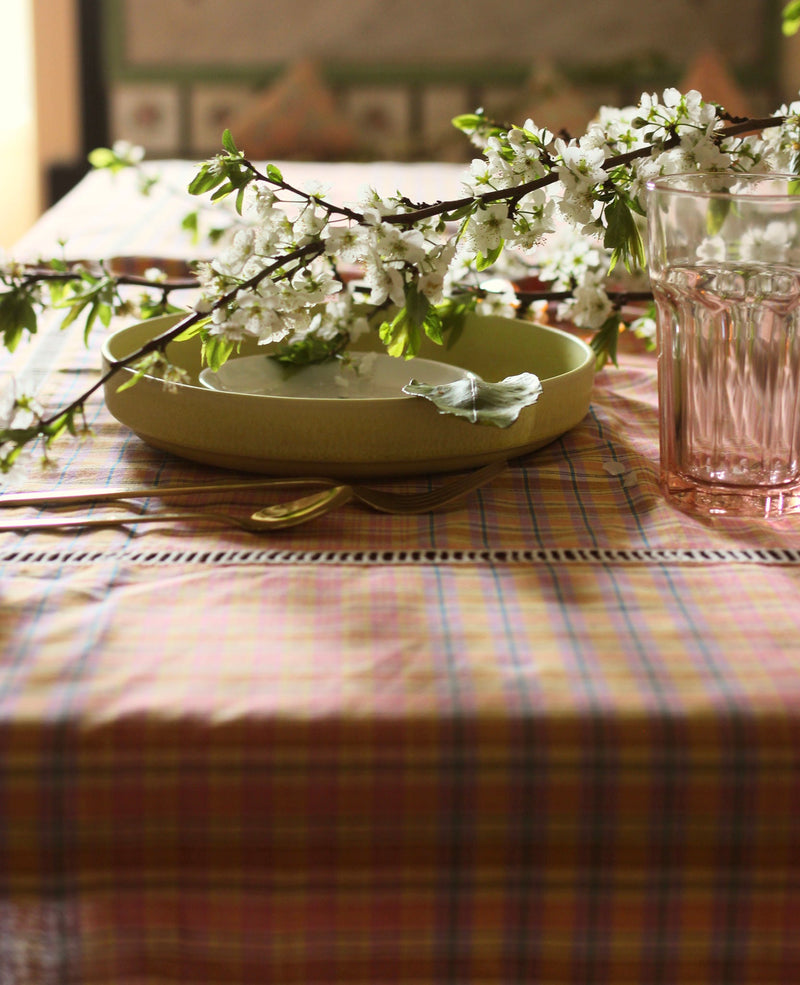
(550, 737)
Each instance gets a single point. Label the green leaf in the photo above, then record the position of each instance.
(54, 430)
(216, 351)
(417, 304)
(228, 144)
(433, 326)
(102, 157)
(205, 180)
(147, 183)
(468, 121)
(192, 330)
(12, 337)
(718, 209)
(190, 224)
(452, 314)
(17, 315)
(604, 342)
(75, 310)
(274, 173)
(58, 291)
(222, 191)
(141, 368)
(496, 404)
(622, 235)
(88, 325)
(458, 214)
(26, 313)
(482, 262)
(309, 350)
(790, 22)
(401, 335)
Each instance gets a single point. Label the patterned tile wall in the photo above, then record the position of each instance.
(180, 71)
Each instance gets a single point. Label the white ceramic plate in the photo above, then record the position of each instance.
(363, 376)
(281, 435)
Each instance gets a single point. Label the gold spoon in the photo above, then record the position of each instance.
(288, 514)
(293, 512)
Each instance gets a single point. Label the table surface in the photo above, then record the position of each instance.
(552, 736)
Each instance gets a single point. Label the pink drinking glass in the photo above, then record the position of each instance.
(724, 261)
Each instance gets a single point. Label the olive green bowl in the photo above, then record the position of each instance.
(355, 438)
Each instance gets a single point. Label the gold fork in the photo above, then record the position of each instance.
(276, 516)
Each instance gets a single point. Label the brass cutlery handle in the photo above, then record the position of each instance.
(108, 494)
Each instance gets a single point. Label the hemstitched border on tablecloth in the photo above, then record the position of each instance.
(550, 555)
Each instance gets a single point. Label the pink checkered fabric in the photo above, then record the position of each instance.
(552, 736)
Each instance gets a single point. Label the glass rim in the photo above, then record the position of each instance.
(670, 183)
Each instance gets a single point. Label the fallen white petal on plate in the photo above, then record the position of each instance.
(498, 404)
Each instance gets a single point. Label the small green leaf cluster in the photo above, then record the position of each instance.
(216, 351)
(622, 235)
(605, 340)
(14, 439)
(109, 159)
(93, 295)
(309, 350)
(403, 333)
(478, 126)
(17, 315)
(225, 174)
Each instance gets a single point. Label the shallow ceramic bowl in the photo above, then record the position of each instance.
(355, 438)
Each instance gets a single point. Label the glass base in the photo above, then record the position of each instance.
(754, 502)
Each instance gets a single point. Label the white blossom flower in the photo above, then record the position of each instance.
(499, 298)
(406, 245)
(233, 260)
(126, 151)
(385, 283)
(768, 245)
(697, 151)
(315, 284)
(309, 223)
(263, 201)
(488, 227)
(479, 177)
(579, 206)
(434, 269)
(347, 243)
(711, 249)
(590, 305)
(645, 328)
(581, 167)
(533, 219)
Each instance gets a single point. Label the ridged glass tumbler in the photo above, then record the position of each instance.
(724, 261)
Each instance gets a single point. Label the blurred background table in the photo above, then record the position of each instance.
(552, 736)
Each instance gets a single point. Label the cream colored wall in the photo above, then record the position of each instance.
(57, 83)
(40, 121)
(19, 189)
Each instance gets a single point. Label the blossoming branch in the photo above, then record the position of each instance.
(572, 210)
